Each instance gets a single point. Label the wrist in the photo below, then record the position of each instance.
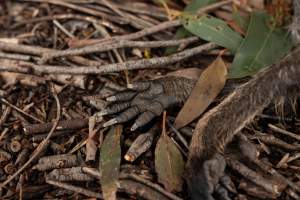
(178, 87)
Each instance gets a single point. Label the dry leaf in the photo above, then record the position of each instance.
(110, 158)
(208, 86)
(169, 164)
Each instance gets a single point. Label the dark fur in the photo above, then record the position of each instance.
(218, 126)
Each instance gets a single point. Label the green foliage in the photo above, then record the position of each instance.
(214, 30)
(194, 6)
(263, 45)
(241, 21)
(180, 34)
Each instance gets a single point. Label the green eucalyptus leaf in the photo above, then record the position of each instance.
(243, 22)
(214, 30)
(263, 45)
(180, 34)
(194, 6)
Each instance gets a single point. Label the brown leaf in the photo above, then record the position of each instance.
(208, 86)
(110, 158)
(169, 163)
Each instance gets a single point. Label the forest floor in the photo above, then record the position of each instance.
(52, 142)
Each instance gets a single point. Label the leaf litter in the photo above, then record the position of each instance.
(30, 30)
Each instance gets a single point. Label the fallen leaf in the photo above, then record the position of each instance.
(229, 18)
(212, 29)
(208, 86)
(242, 21)
(181, 32)
(263, 45)
(169, 163)
(110, 158)
(194, 6)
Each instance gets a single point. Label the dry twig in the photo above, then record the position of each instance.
(41, 146)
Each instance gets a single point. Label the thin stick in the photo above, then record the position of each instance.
(56, 17)
(115, 51)
(95, 173)
(90, 19)
(178, 134)
(145, 32)
(82, 9)
(285, 132)
(119, 44)
(41, 146)
(132, 20)
(20, 110)
(63, 29)
(119, 39)
(15, 56)
(26, 67)
(4, 116)
(153, 29)
(150, 184)
(75, 189)
(39, 51)
(164, 25)
(25, 49)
